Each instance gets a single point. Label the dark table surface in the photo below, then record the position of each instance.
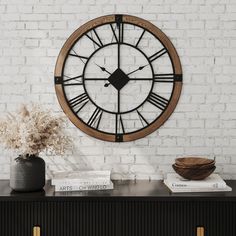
(140, 190)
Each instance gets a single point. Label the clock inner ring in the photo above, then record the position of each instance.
(118, 87)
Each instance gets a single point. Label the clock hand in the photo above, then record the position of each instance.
(103, 69)
(107, 84)
(140, 68)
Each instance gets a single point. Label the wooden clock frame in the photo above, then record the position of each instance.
(177, 70)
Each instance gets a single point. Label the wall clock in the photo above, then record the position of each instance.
(118, 78)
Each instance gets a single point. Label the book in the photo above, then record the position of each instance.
(213, 181)
(81, 182)
(69, 188)
(197, 190)
(80, 174)
(81, 178)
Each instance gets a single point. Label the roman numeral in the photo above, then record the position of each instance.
(164, 78)
(167, 78)
(82, 58)
(140, 38)
(158, 101)
(142, 119)
(121, 32)
(95, 119)
(96, 40)
(119, 37)
(77, 80)
(79, 101)
(119, 125)
(157, 54)
(75, 55)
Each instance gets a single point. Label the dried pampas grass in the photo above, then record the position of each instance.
(34, 130)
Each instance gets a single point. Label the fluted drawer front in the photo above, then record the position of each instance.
(177, 218)
(58, 218)
(117, 218)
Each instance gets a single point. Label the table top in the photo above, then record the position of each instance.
(123, 190)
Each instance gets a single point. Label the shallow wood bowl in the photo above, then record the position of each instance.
(193, 173)
(193, 161)
(197, 166)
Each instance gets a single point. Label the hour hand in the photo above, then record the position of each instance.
(140, 68)
(107, 84)
(103, 69)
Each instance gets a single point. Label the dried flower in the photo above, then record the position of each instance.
(30, 132)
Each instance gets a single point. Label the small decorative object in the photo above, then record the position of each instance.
(194, 168)
(118, 78)
(30, 132)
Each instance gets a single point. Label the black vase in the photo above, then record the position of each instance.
(27, 174)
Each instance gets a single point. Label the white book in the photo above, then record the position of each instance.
(82, 182)
(197, 190)
(80, 176)
(213, 181)
(70, 188)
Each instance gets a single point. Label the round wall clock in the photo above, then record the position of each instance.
(118, 78)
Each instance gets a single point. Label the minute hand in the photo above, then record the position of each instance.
(103, 69)
(140, 68)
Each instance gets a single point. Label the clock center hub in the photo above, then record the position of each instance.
(118, 79)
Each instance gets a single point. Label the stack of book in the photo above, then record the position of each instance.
(81, 181)
(213, 183)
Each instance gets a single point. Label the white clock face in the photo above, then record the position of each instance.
(118, 78)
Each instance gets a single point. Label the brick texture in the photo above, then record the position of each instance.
(32, 33)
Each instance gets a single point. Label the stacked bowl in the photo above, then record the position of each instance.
(194, 168)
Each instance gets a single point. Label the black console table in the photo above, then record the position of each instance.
(139, 208)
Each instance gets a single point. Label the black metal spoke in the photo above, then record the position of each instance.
(95, 79)
(118, 55)
(73, 84)
(140, 79)
(120, 27)
(118, 101)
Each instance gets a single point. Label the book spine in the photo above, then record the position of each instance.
(82, 174)
(94, 181)
(202, 185)
(69, 188)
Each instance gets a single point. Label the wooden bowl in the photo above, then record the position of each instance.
(194, 161)
(197, 166)
(193, 173)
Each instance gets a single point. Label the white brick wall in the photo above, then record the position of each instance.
(204, 122)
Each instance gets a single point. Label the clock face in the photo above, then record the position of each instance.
(118, 78)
